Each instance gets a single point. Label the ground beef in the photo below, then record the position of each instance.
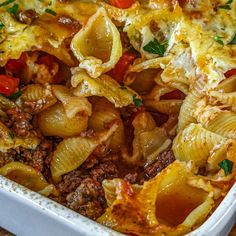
(132, 178)
(19, 122)
(6, 158)
(87, 199)
(162, 161)
(70, 181)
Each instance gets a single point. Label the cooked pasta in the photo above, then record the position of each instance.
(122, 110)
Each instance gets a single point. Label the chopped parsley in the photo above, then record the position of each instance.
(233, 41)
(14, 9)
(1, 25)
(6, 3)
(155, 47)
(227, 166)
(217, 38)
(50, 11)
(137, 102)
(227, 5)
(15, 95)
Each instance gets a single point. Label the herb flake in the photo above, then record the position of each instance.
(227, 166)
(137, 102)
(1, 25)
(15, 95)
(155, 47)
(14, 9)
(227, 5)
(218, 39)
(50, 11)
(6, 3)
(233, 41)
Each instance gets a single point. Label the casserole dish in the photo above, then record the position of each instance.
(27, 213)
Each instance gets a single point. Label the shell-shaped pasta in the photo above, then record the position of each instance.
(164, 106)
(153, 143)
(38, 97)
(104, 86)
(26, 176)
(54, 122)
(104, 113)
(97, 45)
(195, 143)
(228, 85)
(6, 103)
(72, 104)
(72, 152)
(218, 121)
(143, 122)
(9, 141)
(185, 116)
(110, 187)
(145, 211)
(224, 98)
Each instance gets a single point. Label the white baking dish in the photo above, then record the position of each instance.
(26, 213)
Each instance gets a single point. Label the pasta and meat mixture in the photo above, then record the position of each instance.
(122, 110)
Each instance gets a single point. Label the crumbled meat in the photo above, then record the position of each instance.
(107, 170)
(27, 16)
(6, 157)
(70, 181)
(19, 122)
(132, 178)
(88, 199)
(162, 161)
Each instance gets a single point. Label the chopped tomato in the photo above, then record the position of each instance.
(50, 61)
(122, 66)
(176, 94)
(8, 85)
(122, 3)
(230, 73)
(16, 65)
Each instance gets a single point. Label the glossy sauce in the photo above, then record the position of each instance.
(174, 204)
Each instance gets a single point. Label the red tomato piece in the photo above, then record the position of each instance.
(230, 73)
(176, 94)
(8, 85)
(122, 3)
(122, 66)
(16, 65)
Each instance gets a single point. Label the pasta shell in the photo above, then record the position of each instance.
(161, 206)
(224, 98)
(228, 85)
(195, 143)
(104, 86)
(6, 103)
(54, 122)
(72, 104)
(26, 176)
(97, 45)
(38, 97)
(185, 116)
(104, 113)
(72, 152)
(218, 121)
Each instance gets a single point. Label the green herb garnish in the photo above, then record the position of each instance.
(50, 11)
(1, 25)
(137, 102)
(15, 95)
(233, 41)
(155, 47)
(6, 3)
(217, 38)
(14, 9)
(227, 5)
(227, 166)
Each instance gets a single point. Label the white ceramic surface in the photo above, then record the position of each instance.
(26, 213)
